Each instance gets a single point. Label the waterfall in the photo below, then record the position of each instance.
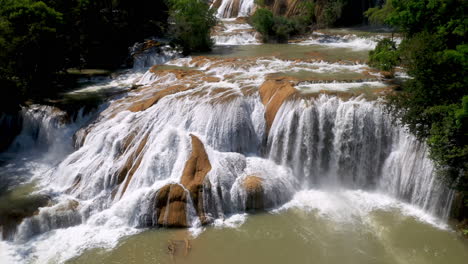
(234, 8)
(330, 142)
(151, 52)
(199, 143)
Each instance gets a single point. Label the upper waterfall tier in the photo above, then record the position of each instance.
(233, 8)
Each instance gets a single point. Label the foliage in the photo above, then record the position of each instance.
(191, 23)
(263, 21)
(28, 46)
(379, 15)
(39, 39)
(385, 56)
(330, 13)
(280, 28)
(433, 104)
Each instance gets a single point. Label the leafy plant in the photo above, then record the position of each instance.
(385, 56)
(190, 24)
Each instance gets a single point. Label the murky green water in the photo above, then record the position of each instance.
(289, 51)
(296, 236)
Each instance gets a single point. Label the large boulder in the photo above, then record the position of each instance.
(170, 207)
(193, 177)
(255, 193)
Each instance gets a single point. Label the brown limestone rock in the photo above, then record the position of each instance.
(193, 177)
(171, 206)
(254, 189)
(273, 93)
(146, 103)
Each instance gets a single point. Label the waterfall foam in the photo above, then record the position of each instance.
(234, 8)
(232, 32)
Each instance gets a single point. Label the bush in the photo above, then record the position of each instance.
(190, 24)
(385, 56)
(280, 28)
(330, 13)
(263, 20)
(379, 15)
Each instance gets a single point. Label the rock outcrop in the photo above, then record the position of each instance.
(273, 93)
(171, 206)
(171, 201)
(254, 190)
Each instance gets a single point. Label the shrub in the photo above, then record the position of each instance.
(262, 20)
(190, 24)
(379, 15)
(385, 56)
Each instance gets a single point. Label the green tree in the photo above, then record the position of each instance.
(190, 24)
(385, 56)
(29, 48)
(433, 103)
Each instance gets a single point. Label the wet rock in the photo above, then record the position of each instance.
(146, 103)
(171, 206)
(14, 211)
(255, 195)
(194, 173)
(273, 94)
(387, 74)
(211, 79)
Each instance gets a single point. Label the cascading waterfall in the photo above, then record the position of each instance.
(234, 8)
(213, 120)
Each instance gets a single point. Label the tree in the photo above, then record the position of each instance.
(29, 48)
(190, 24)
(433, 103)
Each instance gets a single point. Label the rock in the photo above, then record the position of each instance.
(387, 74)
(171, 206)
(13, 212)
(254, 189)
(142, 105)
(193, 177)
(273, 93)
(211, 79)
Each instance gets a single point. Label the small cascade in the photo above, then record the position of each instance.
(235, 32)
(337, 40)
(41, 126)
(233, 8)
(151, 52)
(10, 126)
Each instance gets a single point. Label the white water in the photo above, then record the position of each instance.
(342, 158)
(345, 41)
(245, 8)
(235, 33)
(337, 86)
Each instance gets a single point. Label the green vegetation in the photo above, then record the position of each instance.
(40, 40)
(331, 11)
(280, 28)
(434, 103)
(191, 23)
(385, 56)
(378, 15)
